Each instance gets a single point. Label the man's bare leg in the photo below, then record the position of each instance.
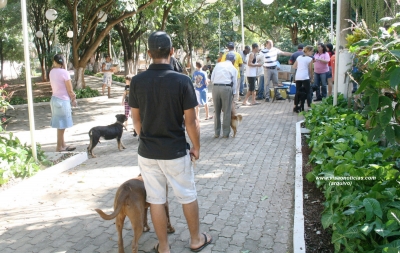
(159, 218)
(191, 212)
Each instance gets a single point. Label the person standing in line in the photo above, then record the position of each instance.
(62, 98)
(321, 69)
(107, 70)
(220, 54)
(251, 73)
(200, 83)
(329, 48)
(260, 75)
(237, 64)
(242, 68)
(270, 68)
(224, 79)
(161, 99)
(303, 65)
(296, 54)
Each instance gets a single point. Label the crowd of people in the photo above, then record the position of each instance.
(163, 152)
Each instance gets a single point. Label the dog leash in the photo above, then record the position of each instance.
(193, 159)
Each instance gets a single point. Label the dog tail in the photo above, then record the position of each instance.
(239, 117)
(119, 204)
(111, 216)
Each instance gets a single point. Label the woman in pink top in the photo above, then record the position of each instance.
(321, 69)
(62, 98)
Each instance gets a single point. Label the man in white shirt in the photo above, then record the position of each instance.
(270, 67)
(224, 79)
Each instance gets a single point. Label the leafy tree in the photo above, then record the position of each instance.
(11, 48)
(84, 16)
(38, 22)
(303, 19)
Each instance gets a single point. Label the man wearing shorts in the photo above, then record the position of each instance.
(200, 83)
(161, 99)
(107, 70)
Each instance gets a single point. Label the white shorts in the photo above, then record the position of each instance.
(177, 172)
(107, 80)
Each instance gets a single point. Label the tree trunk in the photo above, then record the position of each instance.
(79, 78)
(43, 67)
(294, 31)
(1, 62)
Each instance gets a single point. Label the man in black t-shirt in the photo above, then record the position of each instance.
(161, 100)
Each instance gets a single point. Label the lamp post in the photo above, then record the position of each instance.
(70, 34)
(28, 77)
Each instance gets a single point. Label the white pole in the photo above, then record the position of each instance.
(28, 77)
(337, 53)
(219, 31)
(332, 21)
(241, 17)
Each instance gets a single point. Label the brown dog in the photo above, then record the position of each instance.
(235, 119)
(130, 200)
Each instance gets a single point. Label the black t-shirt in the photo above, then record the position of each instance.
(126, 95)
(162, 95)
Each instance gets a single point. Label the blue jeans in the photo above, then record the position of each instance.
(320, 78)
(260, 93)
(241, 81)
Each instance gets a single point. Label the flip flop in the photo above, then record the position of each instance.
(156, 247)
(204, 245)
(210, 118)
(68, 149)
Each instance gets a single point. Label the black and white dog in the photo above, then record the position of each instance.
(107, 132)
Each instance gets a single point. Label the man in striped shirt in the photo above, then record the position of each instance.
(270, 67)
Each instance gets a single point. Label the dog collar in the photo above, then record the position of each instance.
(122, 124)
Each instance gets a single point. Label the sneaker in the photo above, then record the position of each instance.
(318, 99)
(280, 98)
(267, 100)
(259, 98)
(241, 94)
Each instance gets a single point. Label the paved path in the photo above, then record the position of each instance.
(245, 186)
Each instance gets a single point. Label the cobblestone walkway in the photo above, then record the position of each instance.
(245, 186)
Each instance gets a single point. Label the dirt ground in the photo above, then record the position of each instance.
(39, 88)
(317, 239)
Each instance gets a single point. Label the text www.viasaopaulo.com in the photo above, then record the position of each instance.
(343, 180)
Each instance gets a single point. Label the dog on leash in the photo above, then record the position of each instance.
(130, 200)
(107, 132)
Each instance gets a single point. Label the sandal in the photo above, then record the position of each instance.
(204, 245)
(211, 117)
(68, 149)
(156, 247)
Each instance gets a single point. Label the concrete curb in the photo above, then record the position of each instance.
(45, 175)
(299, 245)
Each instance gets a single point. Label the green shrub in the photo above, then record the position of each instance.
(120, 79)
(88, 72)
(16, 100)
(16, 160)
(358, 177)
(98, 75)
(41, 99)
(86, 93)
